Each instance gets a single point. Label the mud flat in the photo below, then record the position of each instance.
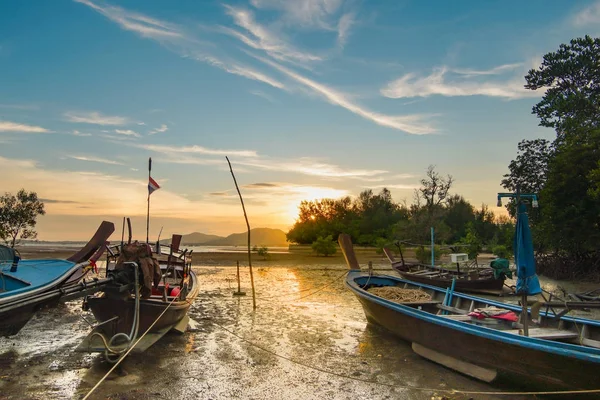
(307, 339)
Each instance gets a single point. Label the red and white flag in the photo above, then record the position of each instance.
(152, 185)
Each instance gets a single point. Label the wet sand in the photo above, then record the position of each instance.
(307, 339)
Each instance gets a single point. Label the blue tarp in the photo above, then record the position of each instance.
(527, 280)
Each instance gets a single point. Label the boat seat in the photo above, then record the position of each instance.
(457, 317)
(453, 309)
(552, 334)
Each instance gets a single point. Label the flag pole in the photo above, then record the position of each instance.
(148, 212)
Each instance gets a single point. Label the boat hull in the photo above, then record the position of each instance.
(462, 285)
(108, 307)
(529, 360)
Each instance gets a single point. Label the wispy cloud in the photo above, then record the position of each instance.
(95, 159)
(345, 23)
(438, 83)
(263, 95)
(128, 132)
(493, 71)
(77, 133)
(588, 16)
(31, 107)
(94, 118)
(261, 185)
(414, 124)
(264, 39)
(240, 70)
(138, 23)
(7, 126)
(163, 128)
(171, 150)
(400, 186)
(175, 39)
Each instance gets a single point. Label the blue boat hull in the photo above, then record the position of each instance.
(535, 362)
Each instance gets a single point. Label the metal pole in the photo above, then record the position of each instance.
(432, 248)
(524, 316)
(238, 276)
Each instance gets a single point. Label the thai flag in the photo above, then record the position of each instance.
(152, 185)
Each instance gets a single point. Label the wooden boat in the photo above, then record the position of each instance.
(474, 281)
(121, 321)
(561, 352)
(24, 284)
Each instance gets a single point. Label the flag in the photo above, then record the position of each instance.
(152, 185)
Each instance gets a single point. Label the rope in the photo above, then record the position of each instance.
(129, 350)
(424, 389)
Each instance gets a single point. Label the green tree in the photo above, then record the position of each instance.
(434, 188)
(473, 242)
(18, 216)
(459, 212)
(571, 214)
(324, 246)
(570, 77)
(263, 252)
(529, 171)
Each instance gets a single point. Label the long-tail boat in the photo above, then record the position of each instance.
(28, 285)
(475, 281)
(483, 338)
(151, 291)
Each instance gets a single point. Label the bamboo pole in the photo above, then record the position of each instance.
(248, 226)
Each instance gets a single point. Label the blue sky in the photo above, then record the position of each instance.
(308, 98)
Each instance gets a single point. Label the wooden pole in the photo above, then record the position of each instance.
(345, 242)
(238, 276)
(123, 233)
(248, 226)
(148, 212)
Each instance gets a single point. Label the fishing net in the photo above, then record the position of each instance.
(400, 295)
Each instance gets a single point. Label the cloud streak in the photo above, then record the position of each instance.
(95, 159)
(94, 118)
(438, 83)
(414, 124)
(128, 132)
(588, 16)
(138, 23)
(264, 39)
(173, 38)
(8, 126)
(163, 128)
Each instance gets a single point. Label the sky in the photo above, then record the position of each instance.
(308, 99)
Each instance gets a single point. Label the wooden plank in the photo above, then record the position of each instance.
(590, 343)
(472, 370)
(458, 317)
(453, 309)
(345, 242)
(551, 334)
(181, 326)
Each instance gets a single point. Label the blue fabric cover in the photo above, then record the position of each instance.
(527, 280)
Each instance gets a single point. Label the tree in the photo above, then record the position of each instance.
(18, 216)
(571, 214)
(570, 77)
(324, 246)
(473, 242)
(435, 188)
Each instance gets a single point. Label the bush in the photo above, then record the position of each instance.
(423, 254)
(262, 251)
(501, 252)
(324, 246)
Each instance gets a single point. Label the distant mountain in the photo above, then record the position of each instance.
(195, 238)
(258, 236)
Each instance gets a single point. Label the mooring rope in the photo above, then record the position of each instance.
(129, 350)
(409, 387)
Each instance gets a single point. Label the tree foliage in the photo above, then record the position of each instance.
(434, 188)
(570, 77)
(18, 216)
(324, 246)
(262, 251)
(565, 173)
